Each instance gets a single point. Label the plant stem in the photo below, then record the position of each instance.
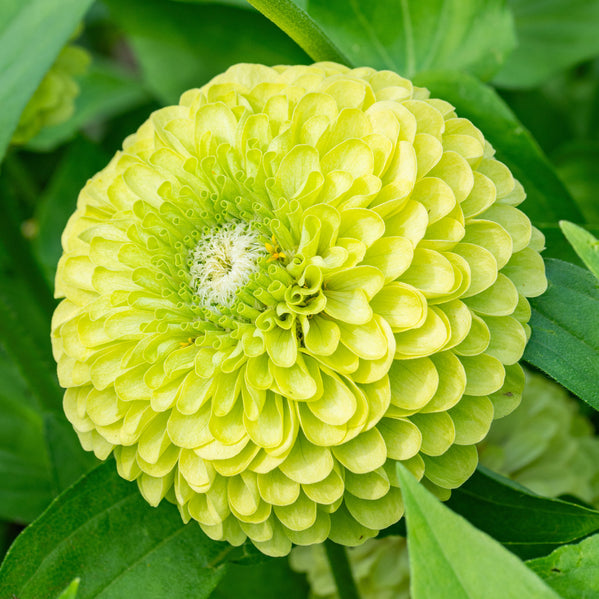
(337, 556)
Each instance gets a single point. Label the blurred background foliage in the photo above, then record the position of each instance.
(526, 72)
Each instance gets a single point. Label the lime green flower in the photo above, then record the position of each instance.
(545, 444)
(283, 286)
(54, 100)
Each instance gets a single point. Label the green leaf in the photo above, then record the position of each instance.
(548, 200)
(102, 531)
(552, 35)
(526, 523)
(181, 46)
(71, 591)
(450, 558)
(106, 91)
(32, 33)
(585, 244)
(571, 570)
(272, 579)
(565, 330)
(59, 199)
(406, 36)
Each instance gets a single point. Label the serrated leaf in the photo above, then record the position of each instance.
(102, 531)
(584, 243)
(571, 570)
(450, 558)
(552, 35)
(547, 198)
(32, 33)
(407, 36)
(526, 523)
(565, 330)
(181, 45)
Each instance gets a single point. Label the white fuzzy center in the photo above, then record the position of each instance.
(223, 261)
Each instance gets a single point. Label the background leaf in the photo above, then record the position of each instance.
(32, 33)
(406, 36)
(524, 522)
(181, 46)
(585, 244)
(552, 35)
(547, 198)
(571, 570)
(102, 531)
(565, 330)
(450, 558)
(106, 90)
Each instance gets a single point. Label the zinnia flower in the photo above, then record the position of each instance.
(283, 286)
(546, 444)
(53, 102)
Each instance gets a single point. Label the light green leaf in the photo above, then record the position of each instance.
(552, 35)
(406, 36)
(182, 45)
(565, 330)
(71, 591)
(106, 91)
(547, 198)
(32, 33)
(585, 244)
(450, 558)
(102, 531)
(571, 570)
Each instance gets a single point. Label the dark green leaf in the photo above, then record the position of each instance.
(450, 558)
(527, 524)
(548, 200)
(406, 37)
(32, 33)
(585, 244)
(577, 167)
(102, 531)
(106, 91)
(272, 579)
(180, 46)
(572, 570)
(552, 35)
(565, 330)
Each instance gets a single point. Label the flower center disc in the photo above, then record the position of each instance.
(223, 261)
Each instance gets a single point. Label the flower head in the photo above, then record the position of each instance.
(53, 102)
(283, 286)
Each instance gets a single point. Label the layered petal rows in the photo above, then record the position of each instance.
(283, 286)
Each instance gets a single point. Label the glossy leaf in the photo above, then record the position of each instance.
(526, 523)
(552, 35)
(406, 37)
(585, 244)
(547, 198)
(71, 591)
(102, 531)
(565, 330)
(450, 558)
(32, 33)
(571, 570)
(201, 40)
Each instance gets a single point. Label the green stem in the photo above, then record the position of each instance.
(346, 585)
